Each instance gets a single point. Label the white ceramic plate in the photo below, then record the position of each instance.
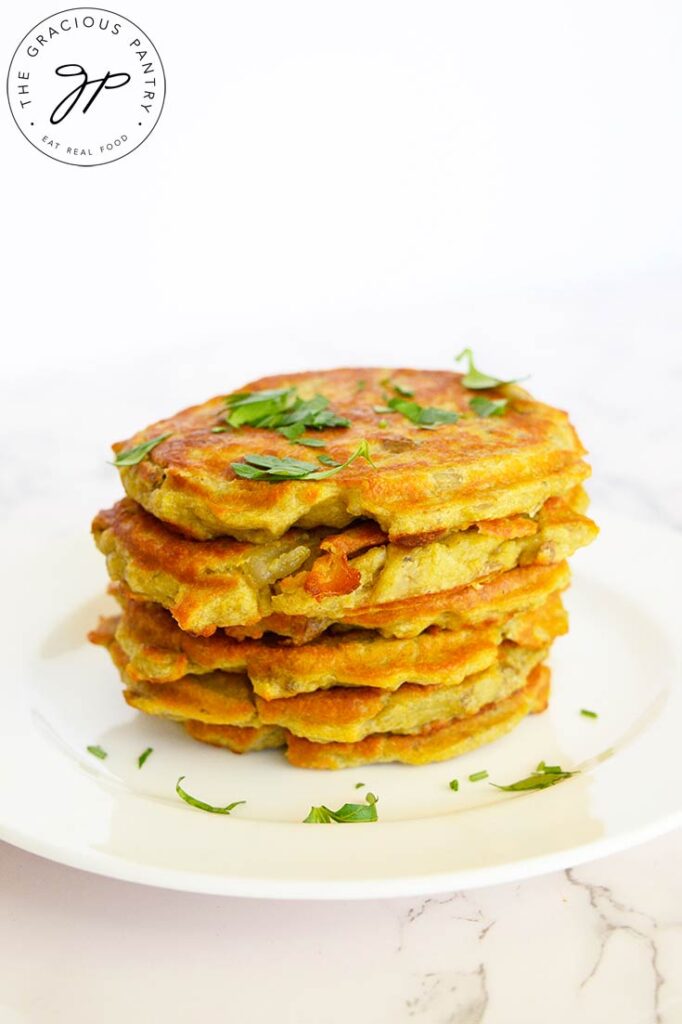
(621, 659)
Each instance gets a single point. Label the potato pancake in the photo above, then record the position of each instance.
(426, 479)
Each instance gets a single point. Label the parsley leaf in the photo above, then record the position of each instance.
(318, 816)
(281, 409)
(273, 469)
(348, 813)
(552, 769)
(97, 752)
(253, 407)
(454, 784)
(361, 452)
(293, 431)
(485, 407)
(400, 390)
(269, 467)
(311, 442)
(544, 776)
(426, 417)
(200, 803)
(144, 755)
(475, 379)
(131, 456)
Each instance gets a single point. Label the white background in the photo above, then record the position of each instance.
(367, 182)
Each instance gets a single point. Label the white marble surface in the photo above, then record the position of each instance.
(596, 944)
(601, 942)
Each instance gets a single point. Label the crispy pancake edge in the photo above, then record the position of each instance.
(226, 583)
(424, 480)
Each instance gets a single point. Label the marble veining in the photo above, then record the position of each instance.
(593, 945)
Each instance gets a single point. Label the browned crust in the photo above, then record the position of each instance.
(439, 742)
(303, 582)
(332, 573)
(488, 599)
(423, 480)
(238, 740)
(158, 650)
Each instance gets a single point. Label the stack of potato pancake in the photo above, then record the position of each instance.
(358, 565)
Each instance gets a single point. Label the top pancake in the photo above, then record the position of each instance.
(423, 483)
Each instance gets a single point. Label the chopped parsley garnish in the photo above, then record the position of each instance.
(274, 469)
(97, 752)
(382, 424)
(348, 813)
(379, 409)
(292, 432)
(544, 776)
(386, 382)
(550, 769)
(485, 407)
(425, 417)
(475, 379)
(281, 409)
(144, 755)
(310, 442)
(454, 784)
(131, 456)
(478, 776)
(360, 785)
(588, 714)
(200, 803)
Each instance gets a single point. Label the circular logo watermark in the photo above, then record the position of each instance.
(86, 86)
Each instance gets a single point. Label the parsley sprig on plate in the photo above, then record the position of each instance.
(545, 775)
(347, 814)
(201, 804)
(144, 755)
(274, 469)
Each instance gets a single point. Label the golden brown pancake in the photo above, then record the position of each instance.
(159, 651)
(437, 742)
(496, 599)
(318, 575)
(237, 739)
(337, 716)
(340, 714)
(424, 483)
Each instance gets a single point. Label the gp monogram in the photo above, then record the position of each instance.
(86, 86)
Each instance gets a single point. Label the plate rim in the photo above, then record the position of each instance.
(182, 880)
